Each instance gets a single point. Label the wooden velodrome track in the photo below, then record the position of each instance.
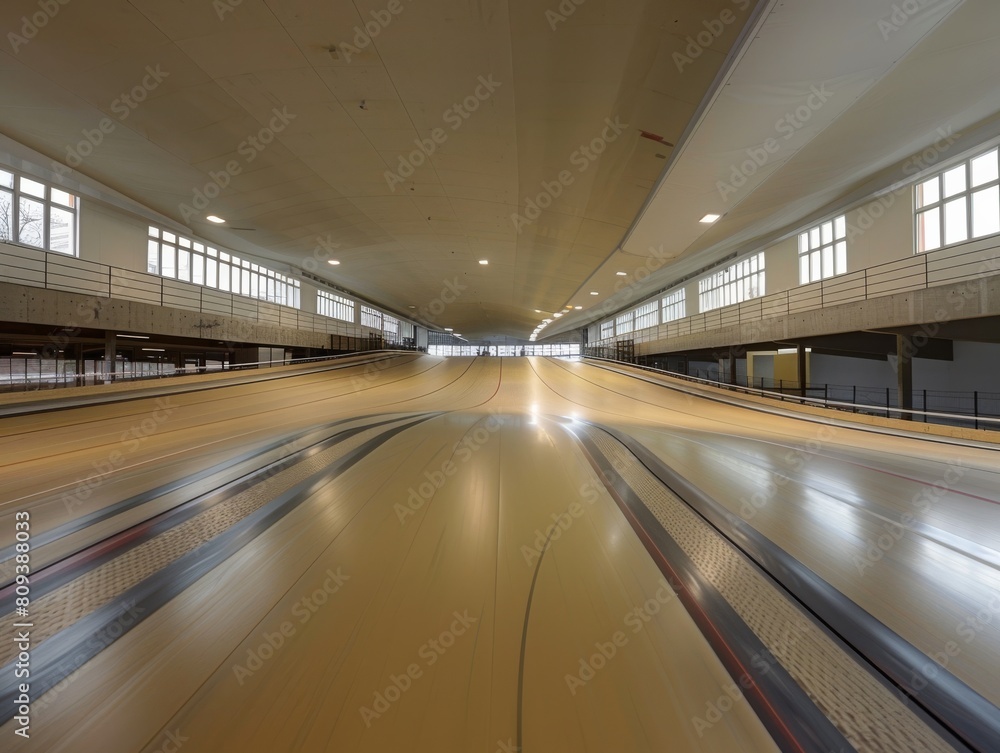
(448, 565)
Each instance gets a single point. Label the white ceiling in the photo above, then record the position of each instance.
(324, 175)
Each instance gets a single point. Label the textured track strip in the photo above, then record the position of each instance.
(869, 715)
(62, 654)
(958, 707)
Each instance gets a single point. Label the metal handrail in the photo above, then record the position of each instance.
(111, 377)
(820, 402)
(922, 267)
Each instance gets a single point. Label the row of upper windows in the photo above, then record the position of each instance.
(959, 204)
(174, 256)
(43, 216)
(177, 257)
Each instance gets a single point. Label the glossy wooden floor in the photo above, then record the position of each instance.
(389, 611)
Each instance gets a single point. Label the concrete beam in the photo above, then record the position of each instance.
(928, 310)
(74, 311)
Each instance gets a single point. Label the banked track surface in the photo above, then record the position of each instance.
(464, 572)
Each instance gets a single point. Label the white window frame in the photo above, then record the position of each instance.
(12, 186)
(647, 315)
(674, 306)
(929, 200)
(823, 251)
(741, 281)
(334, 306)
(220, 269)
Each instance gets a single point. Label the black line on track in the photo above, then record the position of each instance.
(89, 401)
(67, 651)
(524, 645)
(47, 537)
(835, 421)
(56, 574)
(795, 723)
(946, 704)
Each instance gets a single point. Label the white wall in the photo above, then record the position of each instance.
(111, 237)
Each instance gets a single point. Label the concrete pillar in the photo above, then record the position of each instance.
(904, 375)
(77, 352)
(110, 354)
(801, 371)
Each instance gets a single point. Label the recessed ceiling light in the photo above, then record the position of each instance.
(484, 262)
(153, 350)
(135, 337)
(708, 219)
(537, 311)
(622, 274)
(332, 262)
(579, 308)
(594, 292)
(215, 219)
(448, 329)
(411, 306)
(557, 315)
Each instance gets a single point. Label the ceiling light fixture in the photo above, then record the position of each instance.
(217, 220)
(484, 262)
(622, 274)
(594, 292)
(135, 337)
(708, 219)
(332, 262)
(579, 308)
(448, 329)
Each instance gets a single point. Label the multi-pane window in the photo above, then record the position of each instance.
(647, 315)
(624, 323)
(334, 306)
(740, 282)
(823, 251)
(548, 349)
(390, 326)
(38, 215)
(959, 204)
(607, 330)
(180, 258)
(371, 317)
(674, 306)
